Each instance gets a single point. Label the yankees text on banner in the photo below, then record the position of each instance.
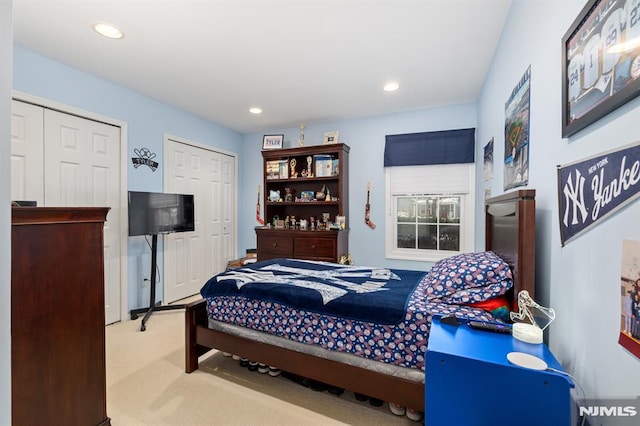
(592, 189)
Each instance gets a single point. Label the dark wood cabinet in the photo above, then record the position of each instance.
(305, 183)
(57, 316)
(300, 244)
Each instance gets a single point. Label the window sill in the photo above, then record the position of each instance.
(427, 256)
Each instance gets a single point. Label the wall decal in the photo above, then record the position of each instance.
(144, 158)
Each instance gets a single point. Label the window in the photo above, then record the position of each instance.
(430, 211)
(428, 222)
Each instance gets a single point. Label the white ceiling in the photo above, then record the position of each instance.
(301, 61)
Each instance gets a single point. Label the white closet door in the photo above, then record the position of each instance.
(211, 214)
(227, 204)
(191, 258)
(181, 272)
(82, 168)
(27, 145)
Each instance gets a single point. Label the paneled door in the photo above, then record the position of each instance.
(191, 258)
(82, 168)
(27, 152)
(63, 160)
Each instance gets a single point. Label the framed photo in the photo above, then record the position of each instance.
(330, 137)
(272, 141)
(600, 63)
(307, 195)
(629, 336)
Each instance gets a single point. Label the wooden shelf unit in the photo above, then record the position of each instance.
(313, 244)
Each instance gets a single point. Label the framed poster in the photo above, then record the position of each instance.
(516, 134)
(600, 62)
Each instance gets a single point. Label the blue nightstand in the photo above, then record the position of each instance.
(469, 381)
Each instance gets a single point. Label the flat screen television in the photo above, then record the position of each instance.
(153, 213)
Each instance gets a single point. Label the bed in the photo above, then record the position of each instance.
(510, 234)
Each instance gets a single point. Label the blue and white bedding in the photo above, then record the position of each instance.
(374, 313)
(354, 292)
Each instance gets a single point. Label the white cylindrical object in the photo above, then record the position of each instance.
(528, 333)
(527, 360)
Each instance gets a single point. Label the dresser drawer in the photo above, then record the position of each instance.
(315, 247)
(275, 246)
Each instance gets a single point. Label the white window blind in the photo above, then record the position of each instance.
(445, 178)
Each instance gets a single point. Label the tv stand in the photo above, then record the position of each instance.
(153, 305)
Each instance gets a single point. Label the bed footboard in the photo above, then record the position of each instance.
(195, 316)
(200, 339)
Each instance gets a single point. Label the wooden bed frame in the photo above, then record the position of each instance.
(510, 232)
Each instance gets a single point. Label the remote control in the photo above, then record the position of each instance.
(490, 326)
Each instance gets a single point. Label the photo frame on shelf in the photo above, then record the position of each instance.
(600, 64)
(272, 141)
(307, 195)
(330, 137)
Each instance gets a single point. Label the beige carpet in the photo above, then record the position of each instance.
(147, 385)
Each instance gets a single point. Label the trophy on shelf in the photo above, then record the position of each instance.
(293, 163)
(301, 140)
(320, 195)
(309, 173)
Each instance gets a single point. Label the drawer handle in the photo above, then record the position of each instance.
(275, 244)
(313, 246)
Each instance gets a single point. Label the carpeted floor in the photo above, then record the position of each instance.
(147, 385)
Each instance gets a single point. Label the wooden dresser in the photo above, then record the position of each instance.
(57, 316)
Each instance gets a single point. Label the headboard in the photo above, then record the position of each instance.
(510, 221)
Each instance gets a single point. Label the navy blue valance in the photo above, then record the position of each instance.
(427, 148)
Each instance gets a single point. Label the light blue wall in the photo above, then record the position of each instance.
(582, 280)
(6, 37)
(147, 121)
(366, 137)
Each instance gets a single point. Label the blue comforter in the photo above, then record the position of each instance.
(355, 292)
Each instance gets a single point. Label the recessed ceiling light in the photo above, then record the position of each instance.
(255, 110)
(391, 86)
(108, 31)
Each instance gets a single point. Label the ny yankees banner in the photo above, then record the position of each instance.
(592, 189)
